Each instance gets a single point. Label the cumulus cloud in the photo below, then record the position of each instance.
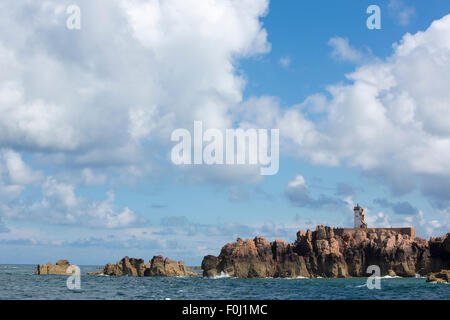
(59, 203)
(125, 79)
(343, 51)
(18, 172)
(15, 175)
(396, 103)
(378, 220)
(424, 227)
(368, 122)
(93, 98)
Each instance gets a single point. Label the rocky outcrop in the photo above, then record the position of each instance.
(440, 252)
(157, 267)
(328, 252)
(439, 277)
(95, 273)
(60, 267)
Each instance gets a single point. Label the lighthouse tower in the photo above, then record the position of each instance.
(359, 217)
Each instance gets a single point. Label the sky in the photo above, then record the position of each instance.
(87, 114)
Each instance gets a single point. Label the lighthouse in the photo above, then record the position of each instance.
(359, 217)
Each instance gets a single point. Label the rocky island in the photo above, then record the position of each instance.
(332, 252)
(326, 252)
(156, 267)
(60, 267)
(439, 277)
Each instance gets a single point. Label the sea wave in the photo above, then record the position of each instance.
(435, 282)
(286, 278)
(21, 284)
(221, 276)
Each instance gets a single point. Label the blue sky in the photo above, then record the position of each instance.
(85, 169)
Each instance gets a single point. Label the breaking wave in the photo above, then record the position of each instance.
(222, 275)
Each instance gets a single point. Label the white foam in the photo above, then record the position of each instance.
(286, 278)
(439, 282)
(221, 276)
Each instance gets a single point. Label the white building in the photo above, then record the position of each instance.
(359, 217)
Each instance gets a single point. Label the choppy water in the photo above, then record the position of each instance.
(19, 282)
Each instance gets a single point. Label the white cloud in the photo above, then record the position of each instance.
(399, 102)
(378, 220)
(135, 71)
(93, 96)
(285, 61)
(15, 175)
(424, 227)
(59, 203)
(92, 179)
(18, 172)
(343, 51)
(299, 194)
(401, 12)
(392, 120)
(102, 214)
(299, 181)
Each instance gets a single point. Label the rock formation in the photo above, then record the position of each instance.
(439, 277)
(60, 268)
(328, 252)
(95, 273)
(158, 266)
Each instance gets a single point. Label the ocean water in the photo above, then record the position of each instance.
(19, 282)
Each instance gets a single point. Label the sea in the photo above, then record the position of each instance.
(19, 282)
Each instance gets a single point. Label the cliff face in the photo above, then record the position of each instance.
(158, 266)
(49, 268)
(328, 252)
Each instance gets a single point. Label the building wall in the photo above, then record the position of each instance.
(405, 231)
(358, 220)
